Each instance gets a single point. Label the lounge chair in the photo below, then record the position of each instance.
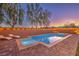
(4, 38)
(9, 38)
(14, 36)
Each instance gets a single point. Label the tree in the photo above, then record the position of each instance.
(37, 15)
(21, 15)
(11, 14)
(1, 13)
(71, 25)
(30, 14)
(45, 18)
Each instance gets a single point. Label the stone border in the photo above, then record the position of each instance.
(20, 46)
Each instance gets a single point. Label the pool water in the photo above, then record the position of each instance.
(41, 38)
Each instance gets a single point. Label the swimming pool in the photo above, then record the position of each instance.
(45, 38)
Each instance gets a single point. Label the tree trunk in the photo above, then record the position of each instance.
(12, 26)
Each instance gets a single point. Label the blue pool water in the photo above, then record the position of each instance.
(40, 38)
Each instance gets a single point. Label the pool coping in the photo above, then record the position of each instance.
(20, 46)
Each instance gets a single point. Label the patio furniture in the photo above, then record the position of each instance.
(4, 38)
(14, 36)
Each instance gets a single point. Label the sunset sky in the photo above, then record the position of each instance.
(61, 13)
